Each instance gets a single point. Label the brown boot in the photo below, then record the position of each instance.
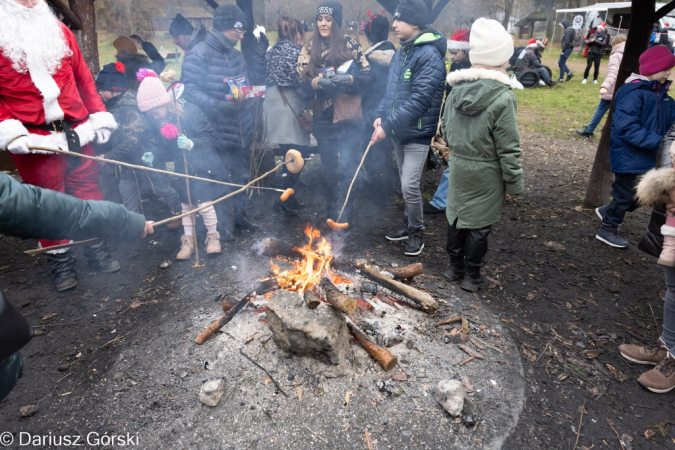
(212, 243)
(667, 257)
(187, 246)
(649, 354)
(660, 379)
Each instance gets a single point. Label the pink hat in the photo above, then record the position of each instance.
(151, 93)
(459, 40)
(656, 59)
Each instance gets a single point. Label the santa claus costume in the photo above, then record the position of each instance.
(48, 99)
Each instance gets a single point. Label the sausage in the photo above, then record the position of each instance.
(287, 193)
(337, 226)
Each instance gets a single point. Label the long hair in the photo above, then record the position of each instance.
(338, 52)
(290, 29)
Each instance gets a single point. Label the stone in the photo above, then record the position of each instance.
(211, 392)
(450, 394)
(321, 333)
(28, 410)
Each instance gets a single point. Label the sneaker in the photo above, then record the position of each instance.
(415, 244)
(660, 379)
(595, 81)
(99, 259)
(648, 354)
(400, 233)
(552, 83)
(541, 83)
(561, 80)
(611, 237)
(472, 284)
(583, 81)
(428, 208)
(187, 246)
(584, 133)
(569, 76)
(600, 212)
(212, 243)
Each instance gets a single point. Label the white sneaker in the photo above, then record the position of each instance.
(583, 81)
(595, 81)
(541, 83)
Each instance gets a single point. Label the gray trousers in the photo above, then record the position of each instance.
(668, 334)
(411, 159)
(159, 185)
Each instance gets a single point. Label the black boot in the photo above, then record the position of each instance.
(475, 249)
(99, 259)
(456, 270)
(62, 266)
(455, 248)
(290, 207)
(242, 222)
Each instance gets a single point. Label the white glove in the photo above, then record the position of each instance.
(258, 31)
(20, 146)
(103, 135)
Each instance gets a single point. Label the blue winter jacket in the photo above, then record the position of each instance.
(204, 70)
(642, 115)
(411, 107)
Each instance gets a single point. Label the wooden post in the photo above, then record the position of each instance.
(87, 37)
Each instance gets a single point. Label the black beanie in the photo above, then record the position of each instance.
(413, 12)
(180, 26)
(333, 9)
(112, 78)
(228, 16)
(377, 29)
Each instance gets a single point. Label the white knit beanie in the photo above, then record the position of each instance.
(151, 94)
(490, 44)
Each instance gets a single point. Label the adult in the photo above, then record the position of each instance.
(410, 110)
(285, 103)
(607, 87)
(597, 41)
(127, 54)
(184, 35)
(30, 212)
(337, 122)
(205, 72)
(530, 59)
(566, 47)
(458, 48)
(48, 99)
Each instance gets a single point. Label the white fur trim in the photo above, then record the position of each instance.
(475, 73)
(58, 140)
(103, 120)
(667, 231)
(10, 129)
(458, 45)
(50, 91)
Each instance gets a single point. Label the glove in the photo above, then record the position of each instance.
(603, 91)
(325, 84)
(258, 31)
(20, 146)
(184, 143)
(148, 158)
(340, 79)
(103, 135)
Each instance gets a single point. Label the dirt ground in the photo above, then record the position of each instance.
(116, 355)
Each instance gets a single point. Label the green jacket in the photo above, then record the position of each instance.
(480, 127)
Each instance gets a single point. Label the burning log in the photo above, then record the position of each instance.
(422, 299)
(337, 299)
(311, 299)
(275, 247)
(407, 272)
(383, 356)
(261, 288)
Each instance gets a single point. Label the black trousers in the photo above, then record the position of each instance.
(623, 199)
(467, 248)
(590, 60)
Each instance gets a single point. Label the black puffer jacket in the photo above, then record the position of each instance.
(568, 35)
(411, 106)
(598, 45)
(204, 70)
(379, 57)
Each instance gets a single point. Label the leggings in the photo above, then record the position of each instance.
(589, 62)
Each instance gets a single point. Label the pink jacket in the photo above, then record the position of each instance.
(612, 71)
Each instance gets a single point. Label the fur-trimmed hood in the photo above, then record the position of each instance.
(380, 53)
(476, 73)
(654, 186)
(475, 89)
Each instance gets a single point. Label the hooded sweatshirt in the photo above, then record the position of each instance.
(568, 35)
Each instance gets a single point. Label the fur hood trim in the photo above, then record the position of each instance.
(654, 186)
(475, 73)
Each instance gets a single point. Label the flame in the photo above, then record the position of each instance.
(306, 274)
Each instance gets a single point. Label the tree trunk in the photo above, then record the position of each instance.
(600, 181)
(87, 37)
(508, 9)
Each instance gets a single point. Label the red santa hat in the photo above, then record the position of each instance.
(532, 43)
(603, 25)
(459, 40)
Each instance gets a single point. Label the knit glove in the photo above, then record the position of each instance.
(184, 143)
(103, 135)
(20, 145)
(148, 158)
(340, 79)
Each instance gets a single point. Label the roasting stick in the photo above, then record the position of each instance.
(336, 225)
(293, 160)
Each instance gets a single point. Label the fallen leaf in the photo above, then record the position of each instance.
(400, 377)
(298, 391)
(268, 380)
(49, 316)
(135, 304)
(347, 396)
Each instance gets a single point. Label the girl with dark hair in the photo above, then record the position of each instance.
(336, 72)
(285, 103)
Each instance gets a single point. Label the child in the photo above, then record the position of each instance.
(643, 113)
(480, 122)
(196, 140)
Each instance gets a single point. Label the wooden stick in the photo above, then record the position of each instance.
(469, 352)
(422, 299)
(580, 423)
(452, 319)
(383, 356)
(467, 360)
(276, 384)
(311, 299)
(149, 169)
(337, 299)
(623, 447)
(356, 174)
(407, 272)
(38, 251)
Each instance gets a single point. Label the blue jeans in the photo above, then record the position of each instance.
(440, 199)
(600, 111)
(668, 334)
(543, 74)
(562, 63)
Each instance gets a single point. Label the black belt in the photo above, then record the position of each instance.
(72, 138)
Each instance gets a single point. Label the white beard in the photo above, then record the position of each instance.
(32, 37)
